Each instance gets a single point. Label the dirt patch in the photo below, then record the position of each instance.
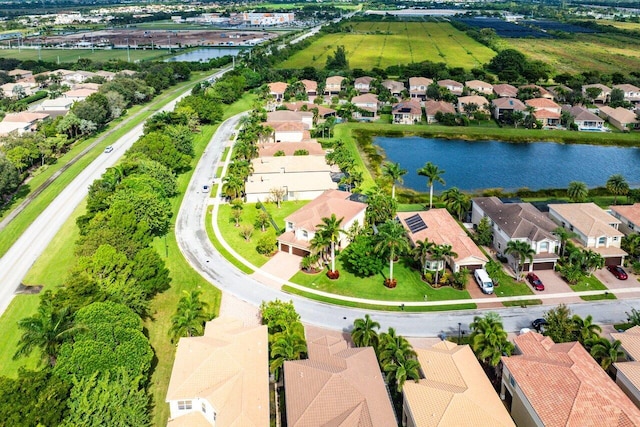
(23, 289)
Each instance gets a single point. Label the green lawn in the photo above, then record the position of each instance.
(343, 132)
(592, 283)
(72, 55)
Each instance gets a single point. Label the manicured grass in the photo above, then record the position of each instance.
(382, 44)
(22, 306)
(216, 244)
(72, 55)
(410, 207)
(507, 286)
(231, 233)
(622, 25)
(592, 284)
(410, 285)
(343, 132)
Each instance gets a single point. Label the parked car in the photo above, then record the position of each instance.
(539, 324)
(535, 281)
(617, 271)
(108, 149)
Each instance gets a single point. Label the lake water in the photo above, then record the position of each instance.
(474, 165)
(205, 54)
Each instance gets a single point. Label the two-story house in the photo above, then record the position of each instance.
(480, 87)
(595, 229)
(367, 107)
(518, 221)
(333, 85)
(454, 87)
(310, 87)
(301, 226)
(631, 92)
(502, 107)
(505, 90)
(363, 84)
(629, 216)
(407, 112)
(602, 97)
(276, 90)
(545, 110)
(418, 87)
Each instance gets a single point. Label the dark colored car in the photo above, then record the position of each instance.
(535, 282)
(617, 271)
(538, 324)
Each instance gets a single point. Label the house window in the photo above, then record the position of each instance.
(631, 226)
(184, 405)
(602, 240)
(305, 234)
(544, 246)
(290, 225)
(512, 381)
(615, 238)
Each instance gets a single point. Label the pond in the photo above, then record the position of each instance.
(474, 165)
(205, 54)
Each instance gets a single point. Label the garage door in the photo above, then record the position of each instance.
(284, 248)
(472, 267)
(543, 265)
(300, 252)
(613, 261)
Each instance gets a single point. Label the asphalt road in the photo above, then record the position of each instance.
(204, 258)
(15, 264)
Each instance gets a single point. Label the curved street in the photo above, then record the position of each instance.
(204, 258)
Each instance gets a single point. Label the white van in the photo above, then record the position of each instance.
(484, 281)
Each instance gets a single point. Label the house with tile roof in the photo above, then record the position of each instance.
(311, 87)
(554, 385)
(453, 391)
(541, 92)
(277, 89)
(78, 94)
(336, 386)
(619, 117)
(407, 112)
(333, 85)
(395, 87)
(503, 107)
(631, 92)
(221, 379)
(629, 216)
(505, 90)
(283, 116)
(290, 165)
(288, 131)
(585, 119)
(453, 86)
(418, 87)
(55, 105)
(518, 221)
(594, 227)
(313, 147)
(17, 90)
(300, 226)
(367, 107)
(363, 84)
(479, 101)
(298, 186)
(545, 110)
(19, 74)
(323, 112)
(432, 107)
(628, 372)
(603, 96)
(439, 227)
(107, 75)
(480, 87)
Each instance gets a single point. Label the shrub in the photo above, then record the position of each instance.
(266, 244)
(278, 153)
(301, 153)
(360, 258)
(635, 267)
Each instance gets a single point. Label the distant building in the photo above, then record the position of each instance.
(629, 216)
(267, 19)
(505, 91)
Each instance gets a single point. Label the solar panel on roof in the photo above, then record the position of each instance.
(415, 223)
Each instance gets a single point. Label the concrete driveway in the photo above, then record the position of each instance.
(282, 265)
(475, 292)
(610, 281)
(553, 284)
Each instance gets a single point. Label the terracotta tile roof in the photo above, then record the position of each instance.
(443, 229)
(309, 85)
(228, 367)
(334, 80)
(269, 149)
(480, 101)
(543, 92)
(330, 202)
(518, 220)
(277, 87)
(367, 98)
(409, 107)
(541, 103)
(337, 386)
(627, 87)
(432, 107)
(505, 90)
(588, 218)
(297, 106)
(603, 88)
(300, 182)
(364, 80)
(419, 81)
(454, 391)
(449, 82)
(620, 114)
(509, 104)
(394, 86)
(478, 85)
(289, 116)
(565, 386)
(631, 370)
(25, 117)
(191, 419)
(546, 114)
(19, 72)
(286, 126)
(76, 93)
(630, 340)
(290, 164)
(630, 212)
(581, 114)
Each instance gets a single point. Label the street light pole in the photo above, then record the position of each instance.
(459, 332)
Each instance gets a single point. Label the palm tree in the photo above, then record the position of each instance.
(586, 329)
(618, 186)
(330, 228)
(401, 370)
(440, 253)
(233, 186)
(577, 191)
(319, 245)
(392, 240)
(592, 261)
(364, 332)
(605, 351)
(47, 330)
(456, 202)
(421, 252)
(190, 317)
(394, 172)
(392, 347)
(564, 235)
(287, 345)
(521, 252)
(433, 174)
(489, 339)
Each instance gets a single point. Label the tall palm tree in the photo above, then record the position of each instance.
(564, 235)
(47, 330)
(440, 253)
(592, 261)
(421, 252)
(586, 329)
(330, 228)
(521, 252)
(394, 172)
(489, 339)
(190, 317)
(392, 240)
(433, 174)
(456, 202)
(401, 370)
(394, 347)
(289, 344)
(606, 352)
(233, 186)
(577, 191)
(618, 186)
(364, 332)
(319, 245)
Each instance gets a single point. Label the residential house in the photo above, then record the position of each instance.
(539, 90)
(507, 106)
(453, 391)
(363, 84)
(283, 116)
(628, 372)
(631, 92)
(288, 131)
(439, 227)
(19, 74)
(290, 165)
(71, 77)
(276, 90)
(629, 216)
(395, 87)
(333, 85)
(25, 121)
(620, 117)
(560, 92)
(553, 385)
(92, 86)
(367, 107)
(128, 73)
(221, 378)
(19, 128)
(546, 111)
(107, 75)
(311, 87)
(18, 90)
(479, 101)
(298, 186)
(418, 87)
(313, 147)
(595, 229)
(407, 112)
(323, 112)
(602, 97)
(55, 105)
(336, 386)
(78, 94)
(480, 87)
(431, 108)
(453, 86)
(518, 221)
(505, 91)
(301, 226)
(585, 119)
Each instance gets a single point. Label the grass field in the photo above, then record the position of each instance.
(634, 26)
(72, 55)
(607, 53)
(382, 44)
